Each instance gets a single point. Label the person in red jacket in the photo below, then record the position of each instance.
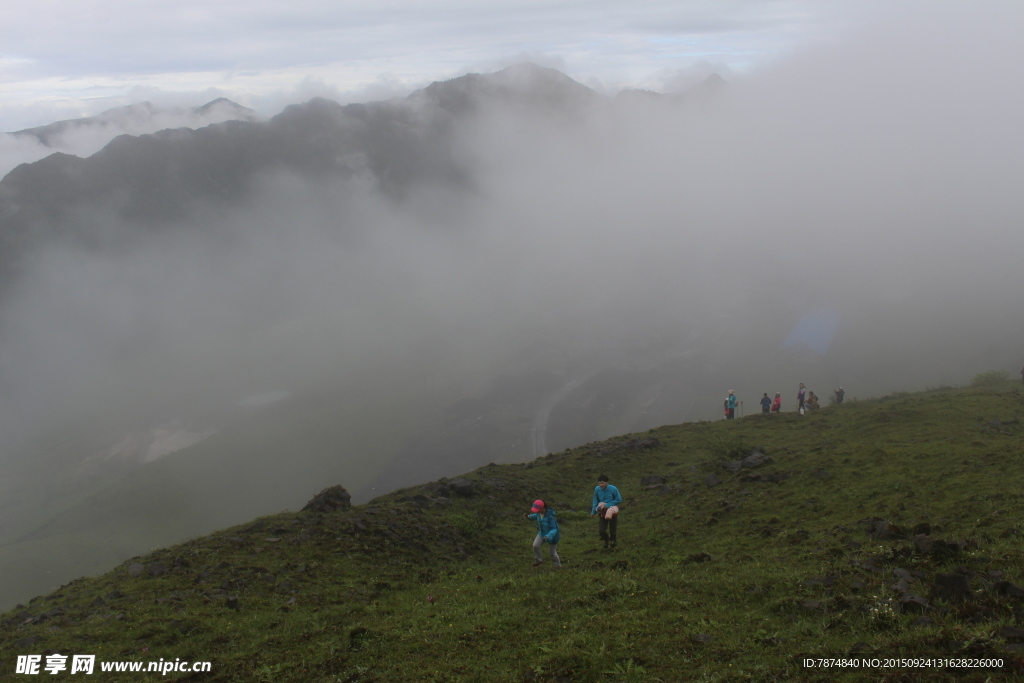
(777, 403)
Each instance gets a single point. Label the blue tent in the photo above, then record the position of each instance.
(814, 331)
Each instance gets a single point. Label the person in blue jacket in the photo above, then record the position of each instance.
(606, 506)
(547, 532)
(730, 406)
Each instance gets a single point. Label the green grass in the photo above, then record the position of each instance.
(723, 583)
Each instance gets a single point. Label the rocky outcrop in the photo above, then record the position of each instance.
(331, 499)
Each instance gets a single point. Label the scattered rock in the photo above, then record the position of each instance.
(822, 474)
(944, 550)
(860, 646)
(135, 569)
(232, 603)
(810, 605)
(734, 466)
(652, 480)
(419, 500)
(701, 638)
(699, 557)
(462, 486)
(331, 499)
(27, 642)
(911, 604)
(882, 530)
(1007, 588)
(952, 588)
(755, 459)
(924, 621)
(921, 528)
(712, 480)
(156, 569)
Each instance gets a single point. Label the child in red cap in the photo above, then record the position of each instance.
(547, 532)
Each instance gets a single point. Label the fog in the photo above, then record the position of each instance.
(878, 178)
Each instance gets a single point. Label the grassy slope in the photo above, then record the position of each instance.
(392, 591)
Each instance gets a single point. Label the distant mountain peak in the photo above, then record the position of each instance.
(522, 84)
(224, 104)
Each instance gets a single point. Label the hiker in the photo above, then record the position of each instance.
(547, 532)
(766, 404)
(730, 406)
(812, 400)
(1022, 374)
(606, 506)
(800, 398)
(777, 403)
(840, 393)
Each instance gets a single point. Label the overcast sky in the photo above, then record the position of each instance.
(69, 58)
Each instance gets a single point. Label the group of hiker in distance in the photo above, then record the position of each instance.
(607, 500)
(805, 400)
(605, 505)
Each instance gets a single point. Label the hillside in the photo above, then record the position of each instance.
(880, 527)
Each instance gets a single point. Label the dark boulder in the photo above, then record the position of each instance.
(331, 499)
(913, 604)
(734, 466)
(755, 459)
(712, 480)
(944, 550)
(882, 530)
(462, 486)
(652, 480)
(1007, 588)
(952, 588)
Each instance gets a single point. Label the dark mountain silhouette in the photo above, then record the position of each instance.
(161, 178)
